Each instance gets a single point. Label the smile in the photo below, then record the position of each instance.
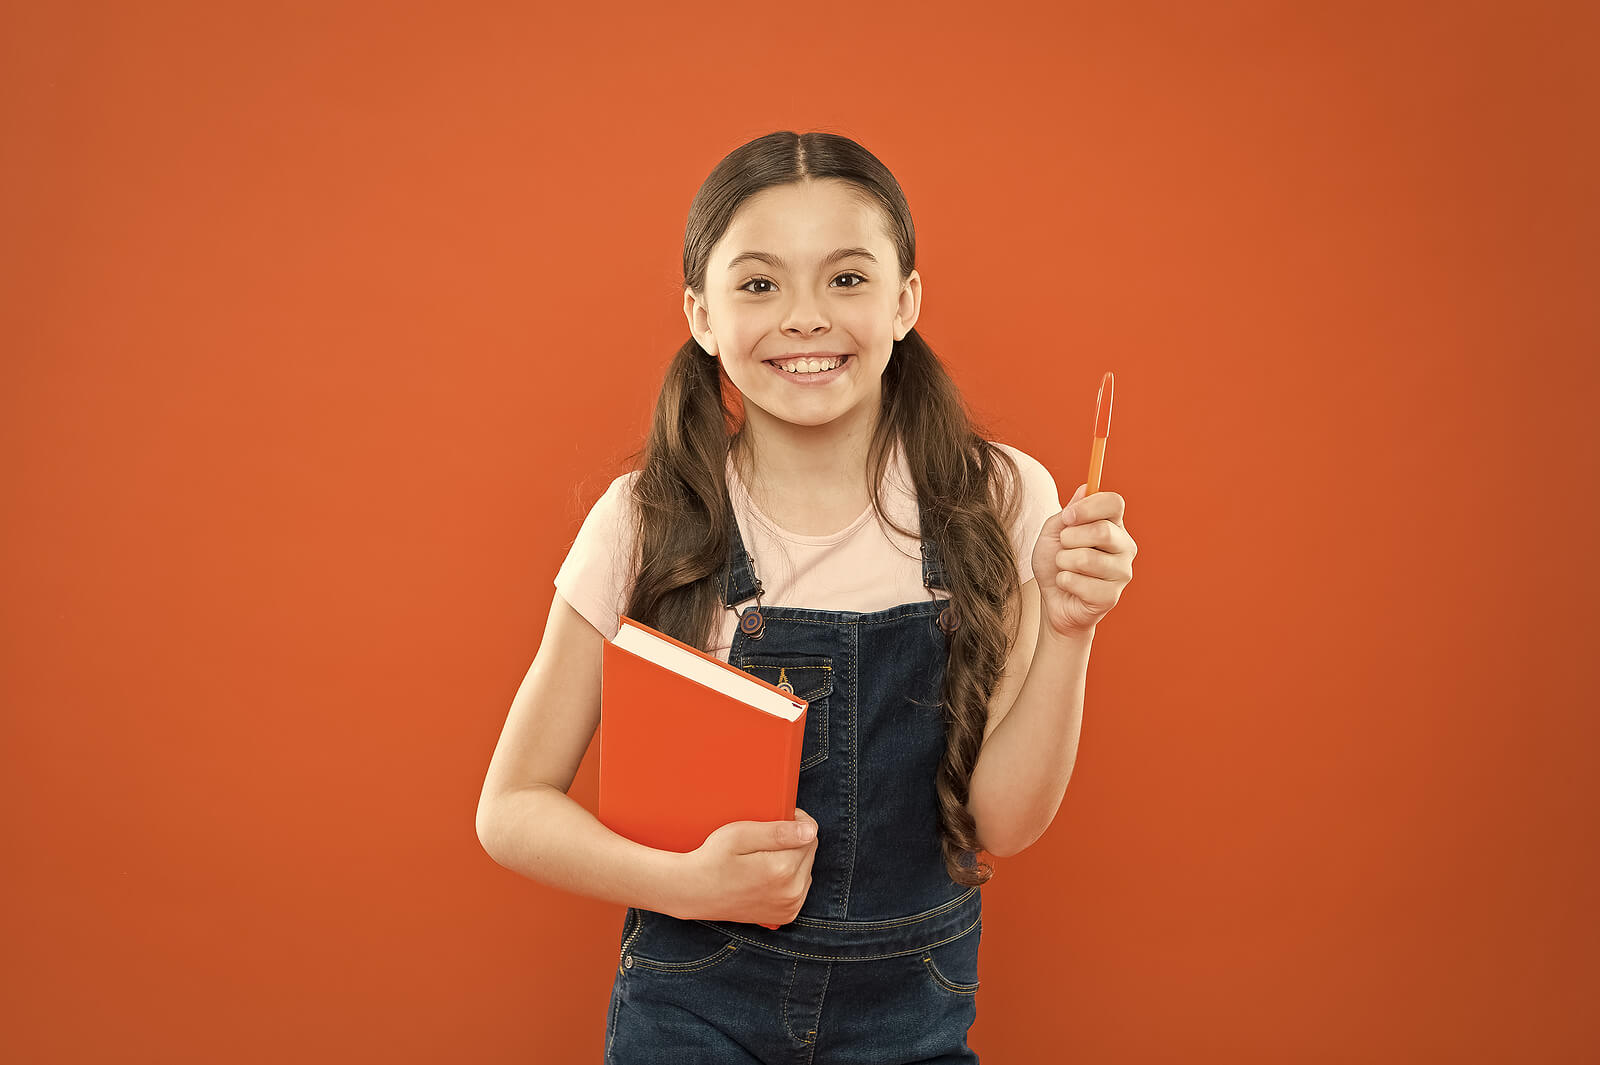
(812, 371)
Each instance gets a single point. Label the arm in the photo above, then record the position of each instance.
(1082, 561)
(526, 821)
(1031, 741)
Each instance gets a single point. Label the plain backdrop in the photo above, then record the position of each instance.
(323, 325)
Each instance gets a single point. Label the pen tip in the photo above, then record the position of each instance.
(1102, 406)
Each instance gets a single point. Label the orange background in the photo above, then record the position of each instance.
(324, 324)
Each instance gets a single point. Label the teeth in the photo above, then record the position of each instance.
(810, 365)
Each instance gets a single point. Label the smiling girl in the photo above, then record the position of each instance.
(813, 504)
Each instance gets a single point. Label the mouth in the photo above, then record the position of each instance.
(812, 371)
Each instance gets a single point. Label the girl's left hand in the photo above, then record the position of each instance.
(1083, 560)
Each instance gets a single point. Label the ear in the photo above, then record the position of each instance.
(699, 322)
(909, 307)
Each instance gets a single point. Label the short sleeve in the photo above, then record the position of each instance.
(1040, 500)
(594, 576)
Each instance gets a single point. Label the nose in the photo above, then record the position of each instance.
(805, 316)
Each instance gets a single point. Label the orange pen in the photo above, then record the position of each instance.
(1102, 429)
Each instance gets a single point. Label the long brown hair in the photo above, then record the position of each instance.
(965, 484)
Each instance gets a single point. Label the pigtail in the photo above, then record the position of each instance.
(680, 502)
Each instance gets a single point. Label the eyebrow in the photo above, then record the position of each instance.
(778, 264)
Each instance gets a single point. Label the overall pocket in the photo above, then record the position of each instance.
(664, 944)
(811, 678)
(953, 966)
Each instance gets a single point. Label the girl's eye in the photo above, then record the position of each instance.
(763, 281)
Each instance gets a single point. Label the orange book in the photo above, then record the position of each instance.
(689, 742)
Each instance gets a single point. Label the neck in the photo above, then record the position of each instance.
(809, 462)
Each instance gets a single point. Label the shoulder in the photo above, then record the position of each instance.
(618, 495)
(609, 518)
(622, 484)
(621, 487)
(593, 577)
(1035, 479)
(1025, 462)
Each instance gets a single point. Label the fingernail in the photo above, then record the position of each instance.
(807, 830)
(1071, 515)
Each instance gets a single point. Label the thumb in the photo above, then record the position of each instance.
(1083, 490)
(803, 829)
(752, 836)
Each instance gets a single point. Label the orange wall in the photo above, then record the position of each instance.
(324, 324)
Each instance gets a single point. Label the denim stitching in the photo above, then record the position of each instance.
(667, 966)
(723, 954)
(853, 682)
(841, 617)
(787, 991)
(854, 957)
(821, 687)
(611, 1028)
(629, 937)
(616, 997)
(818, 694)
(916, 918)
(821, 995)
(952, 985)
(945, 982)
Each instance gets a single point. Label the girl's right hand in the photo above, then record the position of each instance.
(757, 872)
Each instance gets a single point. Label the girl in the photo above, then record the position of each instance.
(815, 507)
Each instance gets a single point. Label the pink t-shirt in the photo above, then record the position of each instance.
(862, 567)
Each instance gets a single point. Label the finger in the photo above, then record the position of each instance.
(1088, 562)
(1108, 506)
(1101, 535)
(1118, 509)
(1096, 595)
(1074, 506)
(1053, 526)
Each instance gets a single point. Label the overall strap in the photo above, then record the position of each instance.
(738, 581)
(933, 573)
(932, 564)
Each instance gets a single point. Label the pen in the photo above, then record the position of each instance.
(1102, 429)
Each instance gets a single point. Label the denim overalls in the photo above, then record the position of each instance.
(880, 967)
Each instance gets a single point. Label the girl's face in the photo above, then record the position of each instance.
(775, 289)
